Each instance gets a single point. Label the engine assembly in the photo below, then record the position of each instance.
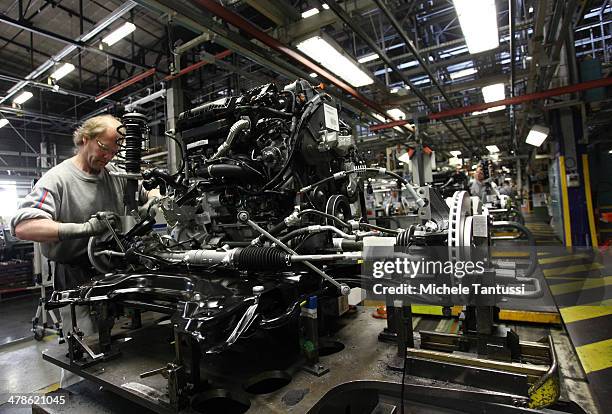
(265, 212)
(262, 198)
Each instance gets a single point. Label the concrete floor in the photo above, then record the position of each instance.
(23, 370)
(16, 317)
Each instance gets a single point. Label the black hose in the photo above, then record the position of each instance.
(180, 146)
(326, 215)
(229, 171)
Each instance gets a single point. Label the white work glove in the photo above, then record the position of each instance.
(95, 226)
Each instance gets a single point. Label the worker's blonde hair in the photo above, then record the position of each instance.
(93, 127)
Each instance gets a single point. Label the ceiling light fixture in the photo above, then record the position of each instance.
(495, 92)
(478, 20)
(22, 97)
(492, 109)
(368, 58)
(62, 71)
(396, 113)
(310, 13)
(463, 73)
(322, 51)
(314, 75)
(3, 122)
(119, 33)
(455, 153)
(492, 149)
(537, 135)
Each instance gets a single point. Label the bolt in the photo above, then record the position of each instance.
(243, 216)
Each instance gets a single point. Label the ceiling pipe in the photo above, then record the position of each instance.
(198, 65)
(398, 28)
(597, 83)
(344, 16)
(49, 63)
(122, 85)
(47, 87)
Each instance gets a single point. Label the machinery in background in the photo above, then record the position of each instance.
(268, 222)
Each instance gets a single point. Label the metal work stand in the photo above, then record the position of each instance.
(40, 330)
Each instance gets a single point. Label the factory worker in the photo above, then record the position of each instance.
(477, 187)
(60, 211)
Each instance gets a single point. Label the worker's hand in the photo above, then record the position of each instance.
(150, 208)
(97, 223)
(95, 226)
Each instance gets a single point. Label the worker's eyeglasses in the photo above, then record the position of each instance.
(105, 148)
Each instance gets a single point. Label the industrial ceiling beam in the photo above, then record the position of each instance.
(396, 25)
(346, 18)
(458, 87)
(63, 39)
(48, 64)
(277, 11)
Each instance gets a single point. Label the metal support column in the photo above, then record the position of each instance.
(511, 113)
(174, 106)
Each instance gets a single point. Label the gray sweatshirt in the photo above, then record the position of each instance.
(69, 195)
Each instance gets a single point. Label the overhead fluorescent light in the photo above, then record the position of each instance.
(119, 33)
(368, 58)
(22, 97)
(310, 13)
(492, 109)
(492, 149)
(3, 122)
(530, 9)
(325, 6)
(62, 71)
(331, 58)
(537, 135)
(463, 73)
(394, 90)
(314, 75)
(478, 20)
(495, 92)
(396, 113)
(455, 153)
(379, 117)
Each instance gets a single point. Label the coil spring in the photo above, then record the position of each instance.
(403, 238)
(135, 133)
(262, 258)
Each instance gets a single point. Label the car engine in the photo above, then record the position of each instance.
(259, 216)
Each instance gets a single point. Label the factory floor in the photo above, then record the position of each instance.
(364, 357)
(16, 317)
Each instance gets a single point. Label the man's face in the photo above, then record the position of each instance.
(479, 174)
(101, 149)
